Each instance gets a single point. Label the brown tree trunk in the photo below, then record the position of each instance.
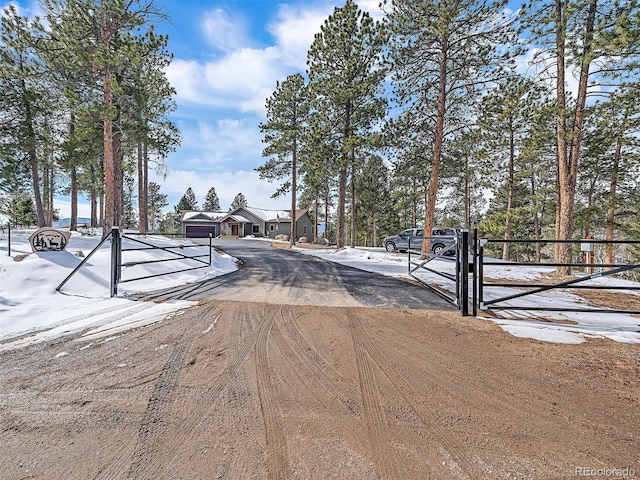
(354, 227)
(110, 189)
(33, 162)
(612, 202)
(294, 191)
(568, 159)
(342, 181)
(510, 195)
(430, 206)
(74, 199)
(142, 192)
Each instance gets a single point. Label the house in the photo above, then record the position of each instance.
(245, 221)
(201, 224)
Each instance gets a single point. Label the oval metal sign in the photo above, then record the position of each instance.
(49, 239)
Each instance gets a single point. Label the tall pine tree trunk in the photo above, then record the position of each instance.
(568, 158)
(353, 201)
(342, 179)
(432, 195)
(33, 161)
(110, 189)
(510, 195)
(294, 192)
(142, 195)
(612, 202)
(74, 198)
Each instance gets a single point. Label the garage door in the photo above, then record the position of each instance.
(200, 231)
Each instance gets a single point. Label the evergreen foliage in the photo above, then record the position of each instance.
(211, 201)
(156, 202)
(345, 80)
(238, 201)
(187, 202)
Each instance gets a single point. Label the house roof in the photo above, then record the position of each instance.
(207, 216)
(235, 218)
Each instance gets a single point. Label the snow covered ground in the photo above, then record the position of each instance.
(32, 311)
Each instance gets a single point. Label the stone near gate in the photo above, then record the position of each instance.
(49, 239)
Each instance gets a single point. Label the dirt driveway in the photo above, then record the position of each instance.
(274, 377)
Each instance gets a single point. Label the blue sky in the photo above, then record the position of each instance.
(228, 55)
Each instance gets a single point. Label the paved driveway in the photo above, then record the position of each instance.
(277, 276)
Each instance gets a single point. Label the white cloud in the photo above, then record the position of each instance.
(241, 80)
(294, 29)
(372, 7)
(228, 141)
(246, 76)
(224, 31)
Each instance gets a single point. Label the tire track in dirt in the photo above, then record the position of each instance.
(453, 449)
(202, 405)
(494, 393)
(329, 383)
(489, 386)
(133, 464)
(383, 453)
(241, 399)
(276, 451)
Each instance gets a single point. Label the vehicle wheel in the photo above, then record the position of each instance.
(437, 248)
(390, 247)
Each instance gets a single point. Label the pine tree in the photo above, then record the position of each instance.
(156, 202)
(211, 201)
(287, 115)
(346, 80)
(187, 202)
(582, 34)
(374, 200)
(441, 54)
(130, 216)
(105, 39)
(238, 201)
(25, 95)
(505, 118)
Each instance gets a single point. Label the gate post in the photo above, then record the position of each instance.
(474, 283)
(463, 252)
(116, 257)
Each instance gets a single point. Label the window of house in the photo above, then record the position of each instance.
(271, 227)
(304, 229)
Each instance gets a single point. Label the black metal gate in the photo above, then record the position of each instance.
(462, 266)
(457, 257)
(532, 288)
(172, 253)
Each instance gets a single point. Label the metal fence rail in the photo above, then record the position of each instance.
(467, 283)
(529, 289)
(173, 252)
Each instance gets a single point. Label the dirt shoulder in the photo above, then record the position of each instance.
(235, 390)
